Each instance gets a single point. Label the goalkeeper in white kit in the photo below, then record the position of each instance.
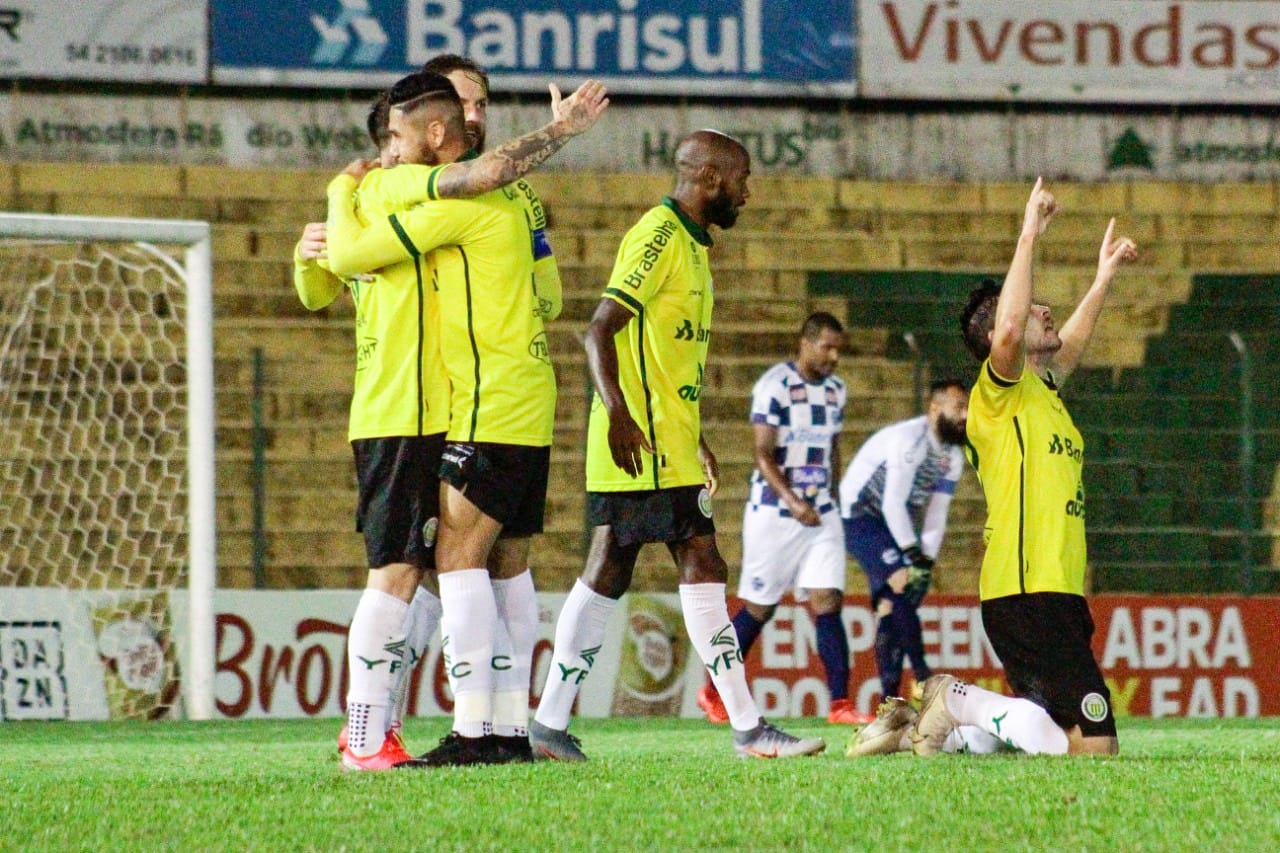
(894, 500)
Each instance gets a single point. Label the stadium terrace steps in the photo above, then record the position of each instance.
(797, 237)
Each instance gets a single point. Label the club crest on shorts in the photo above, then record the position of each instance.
(429, 531)
(1094, 707)
(704, 501)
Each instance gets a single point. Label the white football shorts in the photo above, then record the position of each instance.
(781, 554)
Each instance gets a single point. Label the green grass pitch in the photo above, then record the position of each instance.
(651, 784)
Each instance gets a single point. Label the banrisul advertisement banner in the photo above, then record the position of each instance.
(1122, 51)
(138, 41)
(707, 47)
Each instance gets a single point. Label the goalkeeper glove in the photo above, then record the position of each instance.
(921, 570)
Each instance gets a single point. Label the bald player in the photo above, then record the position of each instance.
(650, 474)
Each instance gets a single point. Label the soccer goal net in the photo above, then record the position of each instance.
(106, 468)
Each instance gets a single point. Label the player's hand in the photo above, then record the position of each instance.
(359, 168)
(557, 103)
(1041, 207)
(805, 513)
(920, 572)
(918, 577)
(314, 245)
(710, 468)
(1114, 252)
(581, 110)
(628, 445)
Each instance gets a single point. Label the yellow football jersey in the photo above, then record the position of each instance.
(400, 387)
(482, 255)
(1029, 457)
(661, 275)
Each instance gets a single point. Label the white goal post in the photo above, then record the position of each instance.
(95, 315)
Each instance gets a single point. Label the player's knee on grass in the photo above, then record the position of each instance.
(1030, 728)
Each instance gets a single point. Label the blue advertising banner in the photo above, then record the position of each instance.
(702, 47)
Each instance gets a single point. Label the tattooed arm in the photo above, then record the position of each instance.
(512, 160)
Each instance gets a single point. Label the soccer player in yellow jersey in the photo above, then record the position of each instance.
(399, 412)
(398, 471)
(488, 261)
(1029, 457)
(650, 474)
(516, 596)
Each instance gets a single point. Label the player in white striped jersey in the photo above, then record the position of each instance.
(894, 501)
(791, 533)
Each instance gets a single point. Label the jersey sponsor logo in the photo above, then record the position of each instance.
(806, 435)
(538, 348)
(535, 204)
(1065, 447)
(1075, 508)
(692, 393)
(541, 245)
(809, 479)
(687, 332)
(704, 502)
(799, 394)
(365, 351)
(1094, 706)
(658, 241)
(808, 475)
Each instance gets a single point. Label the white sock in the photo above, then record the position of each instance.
(375, 657)
(973, 741)
(706, 618)
(420, 624)
(1020, 723)
(467, 628)
(517, 605)
(580, 632)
